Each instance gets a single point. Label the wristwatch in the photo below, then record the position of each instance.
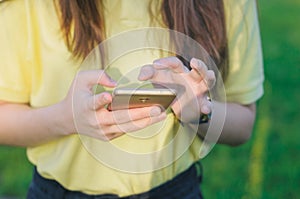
(204, 118)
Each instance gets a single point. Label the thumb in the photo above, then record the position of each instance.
(92, 77)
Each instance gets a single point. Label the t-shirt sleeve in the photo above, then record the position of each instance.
(244, 83)
(14, 67)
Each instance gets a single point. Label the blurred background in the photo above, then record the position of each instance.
(266, 167)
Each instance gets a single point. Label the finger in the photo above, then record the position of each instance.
(92, 77)
(129, 115)
(132, 126)
(199, 69)
(99, 101)
(147, 72)
(205, 106)
(210, 79)
(172, 63)
(111, 136)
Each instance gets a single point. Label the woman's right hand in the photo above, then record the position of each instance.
(88, 115)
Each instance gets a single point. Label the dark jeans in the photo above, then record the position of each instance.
(183, 186)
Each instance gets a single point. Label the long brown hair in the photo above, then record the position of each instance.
(82, 24)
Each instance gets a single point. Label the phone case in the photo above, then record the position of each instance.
(137, 98)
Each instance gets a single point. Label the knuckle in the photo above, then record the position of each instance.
(94, 124)
(150, 121)
(138, 113)
(104, 121)
(144, 124)
(129, 128)
(120, 116)
(141, 114)
(211, 74)
(101, 122)
(211, 78)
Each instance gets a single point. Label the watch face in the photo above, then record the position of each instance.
(204, 118)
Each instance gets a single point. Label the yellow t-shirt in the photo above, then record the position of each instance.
(37, 68)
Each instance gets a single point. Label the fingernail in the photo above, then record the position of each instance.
(105, 98)
(194, 61)
(143, 74)
(113, 81)
(163, 116)
(159, 65)
(197, 62)
(156, 61)
(155, 111)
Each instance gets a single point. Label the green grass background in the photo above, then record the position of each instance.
(268, 166)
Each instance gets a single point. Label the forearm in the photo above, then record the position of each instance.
(22, 125)
(238, 124)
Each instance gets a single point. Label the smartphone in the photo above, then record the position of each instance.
(125, 98)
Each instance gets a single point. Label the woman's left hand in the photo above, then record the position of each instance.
(192, 85)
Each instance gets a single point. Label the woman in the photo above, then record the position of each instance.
(42, 46)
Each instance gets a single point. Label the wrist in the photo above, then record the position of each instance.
(203, 122)
(64, 120)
